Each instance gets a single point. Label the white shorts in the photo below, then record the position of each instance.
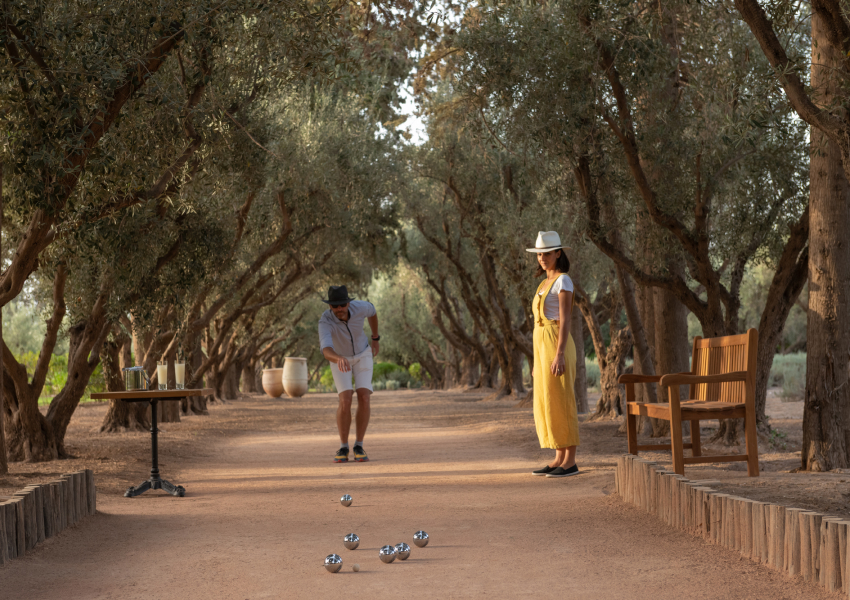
(361, 368)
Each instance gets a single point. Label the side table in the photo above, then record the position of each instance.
(155, 482)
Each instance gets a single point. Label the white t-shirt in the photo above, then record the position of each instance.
(551, 308)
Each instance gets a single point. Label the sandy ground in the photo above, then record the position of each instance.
(262, 511)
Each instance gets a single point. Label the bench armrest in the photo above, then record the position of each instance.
(635, 378)
(688, 379)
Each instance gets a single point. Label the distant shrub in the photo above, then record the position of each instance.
(592, 369)
(382, 369)
(789, 372)
(327, 378)
(379, 385)
(402, 377)
(415, 371)
(391, 384)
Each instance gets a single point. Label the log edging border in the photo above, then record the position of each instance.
(38, 512)
(794, 541)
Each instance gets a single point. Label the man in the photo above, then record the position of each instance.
(344, 344)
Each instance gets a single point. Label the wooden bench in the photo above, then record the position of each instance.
(722, 384)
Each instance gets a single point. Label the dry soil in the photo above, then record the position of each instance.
(262, 511)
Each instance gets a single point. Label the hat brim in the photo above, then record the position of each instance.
(536, 250)
(337, 302)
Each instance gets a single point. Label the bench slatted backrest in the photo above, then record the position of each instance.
(716, 356)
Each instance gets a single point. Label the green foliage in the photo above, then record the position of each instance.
(415, 371)
(382, 370)
(327, 378)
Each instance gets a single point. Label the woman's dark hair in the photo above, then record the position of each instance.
(563, 264)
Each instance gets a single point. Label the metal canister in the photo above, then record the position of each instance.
(135, 378)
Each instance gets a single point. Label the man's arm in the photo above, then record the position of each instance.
(341, 361)
(373, 325)
(326, 344)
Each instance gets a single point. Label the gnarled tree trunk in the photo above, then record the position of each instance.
(826, 414)
(120, 416)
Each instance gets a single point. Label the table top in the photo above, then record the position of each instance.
(152, 394)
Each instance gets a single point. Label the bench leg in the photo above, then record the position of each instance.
(752, 443)
(696, 448)
(631, 432)
(676, 443)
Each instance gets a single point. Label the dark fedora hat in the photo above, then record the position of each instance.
(337, 296)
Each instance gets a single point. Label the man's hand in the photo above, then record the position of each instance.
(343, 365)
(375, 347)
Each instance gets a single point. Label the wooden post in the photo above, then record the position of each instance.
(704, 511)
(760, 538)
(842, 526)
(776, 535)
(68, 500)
(58, 507)
(830, 565)
(617, 476)
(9, 516)
(792, 564)
(71, 498)
(91, 491)
(20, 533)
(82, 495)
(38, 497)
(4, 544)
(27, 497)
(810, 545)
(47, 511)
(745, 527)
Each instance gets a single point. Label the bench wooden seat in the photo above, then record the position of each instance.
(721, 386)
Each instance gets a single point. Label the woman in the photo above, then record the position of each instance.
(554, 370)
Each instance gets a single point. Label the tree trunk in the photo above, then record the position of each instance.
(249, 376)
(826, 422)
(645, 297)
(4, 461)
(120, 416)
(516, 364)
(230, 388)
(788, 281)
(612, 401)
(671, 347)
(29, 436)
(577, 331)
(83, 357)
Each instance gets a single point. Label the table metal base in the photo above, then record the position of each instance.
(155, 484)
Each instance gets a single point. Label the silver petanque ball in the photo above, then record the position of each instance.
(333, 563)
(420, 538)
(345, 500)
(387, 554)
(403, 551)
(351, 541)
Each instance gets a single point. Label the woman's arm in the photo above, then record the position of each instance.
(565, 314)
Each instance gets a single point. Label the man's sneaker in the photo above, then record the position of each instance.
(360, 454)
(341, 455)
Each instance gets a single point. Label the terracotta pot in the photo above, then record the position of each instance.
(272, 383)
(295, 376)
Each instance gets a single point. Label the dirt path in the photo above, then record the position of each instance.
(262, 511)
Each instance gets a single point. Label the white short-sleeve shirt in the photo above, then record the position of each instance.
(551, 308)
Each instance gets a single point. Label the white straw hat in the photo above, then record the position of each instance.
(546, 241)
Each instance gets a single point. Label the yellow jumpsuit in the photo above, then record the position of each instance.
(555, 413)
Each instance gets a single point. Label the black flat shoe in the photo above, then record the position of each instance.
(562, 472)
(544, 470)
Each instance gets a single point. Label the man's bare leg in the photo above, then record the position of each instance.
(343, 415)
(363, 411)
